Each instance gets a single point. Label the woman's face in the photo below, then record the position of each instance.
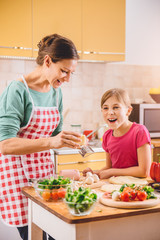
(59, 72)
(115, 113)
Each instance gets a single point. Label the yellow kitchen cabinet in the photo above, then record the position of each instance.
(52, 16)
(76, 161)
(103, 30)
(16, 28)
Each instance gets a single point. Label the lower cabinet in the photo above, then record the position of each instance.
(76, 161)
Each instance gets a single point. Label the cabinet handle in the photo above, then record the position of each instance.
(103, 53)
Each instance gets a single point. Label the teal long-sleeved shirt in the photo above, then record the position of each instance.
(16, 107)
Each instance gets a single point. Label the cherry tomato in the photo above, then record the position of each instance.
(61, 192)
(133, 195)
(127, 189)
(141, 195)
(46, 195)
(125, 196)
(55, 195)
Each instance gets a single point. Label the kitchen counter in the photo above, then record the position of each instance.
(103, 223)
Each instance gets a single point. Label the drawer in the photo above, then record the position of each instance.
(95, 164)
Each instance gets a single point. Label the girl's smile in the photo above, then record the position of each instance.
(116, 114)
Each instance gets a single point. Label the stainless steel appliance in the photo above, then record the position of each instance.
(148, 115)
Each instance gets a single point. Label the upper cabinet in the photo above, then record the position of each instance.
(96, 27)
(103, 30)
(16, 28)
(62, 17)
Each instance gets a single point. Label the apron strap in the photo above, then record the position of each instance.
(27, 90)
(57, 91)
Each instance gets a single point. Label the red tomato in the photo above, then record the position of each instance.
(61, 192)
(133, 195)
(141, 195)
(125, 196)
(46, 195)
(55, 195)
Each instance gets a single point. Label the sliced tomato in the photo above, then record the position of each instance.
(141, 195)
(55, 195)
(61, 192)
(125, 196)
(46, 195)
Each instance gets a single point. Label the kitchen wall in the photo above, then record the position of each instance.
(82, 95)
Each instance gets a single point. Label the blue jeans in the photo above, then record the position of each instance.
(23, 231)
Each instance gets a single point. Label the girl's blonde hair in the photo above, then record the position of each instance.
(121, 95)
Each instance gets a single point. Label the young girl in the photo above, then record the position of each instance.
(127, 144)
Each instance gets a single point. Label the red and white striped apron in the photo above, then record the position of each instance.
(16, 170)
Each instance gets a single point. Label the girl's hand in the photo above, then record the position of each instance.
(87, 170)
(104, 174)
(66, 139)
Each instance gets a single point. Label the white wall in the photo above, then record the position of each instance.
(143, 32)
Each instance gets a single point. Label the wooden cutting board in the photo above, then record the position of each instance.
(134, 204)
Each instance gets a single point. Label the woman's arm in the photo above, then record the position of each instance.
(142, 170)
(20, 146)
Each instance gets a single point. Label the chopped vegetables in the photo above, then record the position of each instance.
(80, 200)
(53, 188)
(132, 192)
(53, 183)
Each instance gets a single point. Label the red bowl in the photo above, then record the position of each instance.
(87, 132)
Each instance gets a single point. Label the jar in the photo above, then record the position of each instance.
(76, 128)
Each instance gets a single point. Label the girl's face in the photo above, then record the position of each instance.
(115, 113)
(59, 72)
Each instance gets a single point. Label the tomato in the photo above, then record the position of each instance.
(46, 195)
(127, 189)
(55, 195)
(133, 195)
(61, 192)
(125, 196)
(141, 195)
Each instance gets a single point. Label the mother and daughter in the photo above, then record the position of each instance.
(127, 144)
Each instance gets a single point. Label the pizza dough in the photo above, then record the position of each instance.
(120, 180)
(110, 187)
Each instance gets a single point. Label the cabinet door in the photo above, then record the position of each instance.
(16, 28)
(103, 24)
(76, 161)
(61, 17)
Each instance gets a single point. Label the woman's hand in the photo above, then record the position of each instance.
(66, 139)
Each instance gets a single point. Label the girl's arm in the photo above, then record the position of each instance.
(20, 146)
(108, 165)
(142, 170)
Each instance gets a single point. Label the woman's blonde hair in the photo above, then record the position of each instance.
(121, 95)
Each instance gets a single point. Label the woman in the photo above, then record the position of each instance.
(31, 124)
